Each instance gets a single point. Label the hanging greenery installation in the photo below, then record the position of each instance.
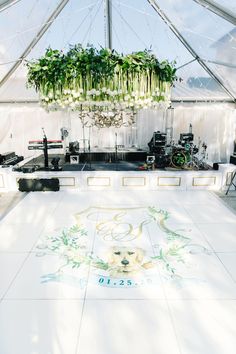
(88, 79)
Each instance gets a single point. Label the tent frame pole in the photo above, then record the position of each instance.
(188, 47)
(7, 4)
(108, 23)
(217, 9)
(35, 40)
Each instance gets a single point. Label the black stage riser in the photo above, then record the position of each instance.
(111, 156)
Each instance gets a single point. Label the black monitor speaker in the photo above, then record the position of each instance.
(38, 184)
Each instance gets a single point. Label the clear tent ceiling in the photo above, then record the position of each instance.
(202, 43)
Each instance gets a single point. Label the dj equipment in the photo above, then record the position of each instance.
(38, 185)
(6, 156)
(10, 158)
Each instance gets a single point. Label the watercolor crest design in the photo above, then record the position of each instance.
(120, 247)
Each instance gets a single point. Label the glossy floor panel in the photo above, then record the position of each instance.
(38, 326)
(118, 272)
(127, 327)
(205, 326)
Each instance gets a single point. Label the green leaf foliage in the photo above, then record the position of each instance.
(84, 74)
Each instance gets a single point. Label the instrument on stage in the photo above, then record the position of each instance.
(184, 154)
(40, 144)
(179, 157)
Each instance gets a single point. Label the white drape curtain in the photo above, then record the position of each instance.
(215, 124)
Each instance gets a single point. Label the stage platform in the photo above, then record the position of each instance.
(96, 161)
(121, 176)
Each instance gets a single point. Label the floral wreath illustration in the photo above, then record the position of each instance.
(71, 246)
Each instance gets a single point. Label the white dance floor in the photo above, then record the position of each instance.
(98, 272)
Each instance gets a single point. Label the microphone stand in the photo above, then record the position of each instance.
(45, 150)
(116, 155)
(89, 149)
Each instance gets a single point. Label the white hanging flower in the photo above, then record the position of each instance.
(104, 90)
(93, 92)
(162, 65)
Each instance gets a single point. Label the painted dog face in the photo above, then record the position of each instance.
(124, 261)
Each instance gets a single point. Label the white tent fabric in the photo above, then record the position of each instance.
(135, 25)
(214, 124)
(202, 43)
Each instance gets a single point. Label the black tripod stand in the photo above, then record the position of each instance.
(232, 182)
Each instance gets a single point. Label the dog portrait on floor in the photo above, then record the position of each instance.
(126, 261)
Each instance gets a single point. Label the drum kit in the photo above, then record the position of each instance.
(183, 155)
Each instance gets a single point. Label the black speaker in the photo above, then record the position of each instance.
(39, 185)
(215, 166)
(233, 159)
(29, 169)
